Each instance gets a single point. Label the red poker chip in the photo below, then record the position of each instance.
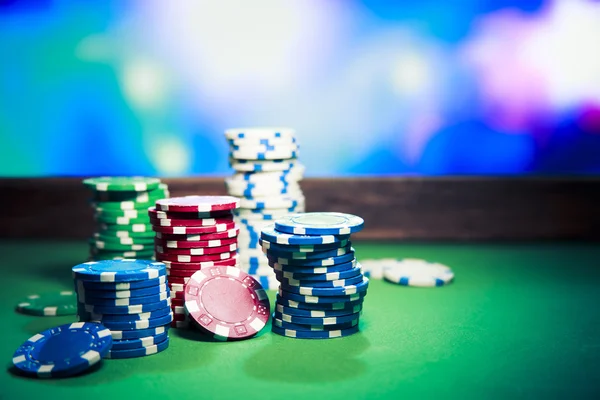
(181, 273)
(232, 233)
(227, 303)
(179, 280)
(177, 302)
(154, 213)
(197, 251)
(180, 324)
(191, 222)
(183, 244)
(186, 258)
(198, 203)
(190, 230)
(177, 296)
(200, 265)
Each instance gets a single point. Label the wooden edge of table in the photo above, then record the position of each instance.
(407, 208)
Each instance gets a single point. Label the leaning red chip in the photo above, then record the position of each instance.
(185, 244)
(153, 212)
(191, 222)
(198, 251)
(187, 230)
(198, 203)
(227, 303)
(185, 258)
(231, 233)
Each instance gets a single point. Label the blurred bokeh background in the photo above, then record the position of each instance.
(426, 87)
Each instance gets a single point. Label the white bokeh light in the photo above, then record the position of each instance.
(169, 155)
(144, 83)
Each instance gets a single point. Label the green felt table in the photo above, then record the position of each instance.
(520, 321)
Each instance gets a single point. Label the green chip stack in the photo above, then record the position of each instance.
(123, 228)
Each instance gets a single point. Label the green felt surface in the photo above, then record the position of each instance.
(520, 321)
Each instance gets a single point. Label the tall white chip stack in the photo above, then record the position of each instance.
(266, 179)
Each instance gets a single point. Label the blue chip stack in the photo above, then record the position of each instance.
(129, 297)
(322, 288)
(267, 183)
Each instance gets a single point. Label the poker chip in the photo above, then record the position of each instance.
(138, 333)
(123, 301)
(119, 183)
(128, 309)
(123, 286)
(139, 352)
(198, 203)
(322, 299)
(314, 334)
(138, 324)
(320, 223)
(226, 303)
(313, 328)
(299, 269)
(161, 312)
(285, 282)
(119, 270)
(188, 230)
(191, 222)
(186, 244)
(270, 234)
(418, 273)
(317, 313)
(310, 255)
(157, 214)
(49, 304)
(259, 133)
(123, 226)
(63, 351)
(139, 343)
(119, 294)
(325, 277)
(197, 251)
(231, 233)
(309, 248)
(343, 305)
(317, 321)
(186, 258)
(261, 166)
(328, 291)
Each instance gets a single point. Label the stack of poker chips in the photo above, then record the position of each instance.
(226, 303)
(193, 233)
(267, 182)
(322, 287)
(131, 299)
(123, 227)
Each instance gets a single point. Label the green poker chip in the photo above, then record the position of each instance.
(122, 183)
(107, 213)
(148, 241)
(122, 220)
(49, 304)
(114, 246)
(137, 197)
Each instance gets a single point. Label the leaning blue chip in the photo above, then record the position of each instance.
(62, 351)
(314, 334)
(320, 223)
(139, 343)
(139, 352)
(270, 234)
(125, 270)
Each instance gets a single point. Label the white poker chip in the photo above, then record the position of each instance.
(417, 273)
(259, 133)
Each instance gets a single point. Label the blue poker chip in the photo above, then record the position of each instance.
(123, 286)
(161, 312)
(270, 234)
(135, 309)
(125, 270)
(326, 277)
(121, 294)
(358, 288)
(285, 282)
(314, 328)
(139, 333)
(341, 305)
(139, 352)
(318, 321)
(299, 312)
(308, 248)
(313, 270)
(324, 262)
(84, 297)
(62, 351)
(139, 343)
(314, 334)
(320, 223)
(318, 255)
(138, 324)
(320, 299)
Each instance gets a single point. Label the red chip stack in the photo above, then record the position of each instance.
(192, 233)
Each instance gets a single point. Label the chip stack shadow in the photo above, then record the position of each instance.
(123, 227)
(266, 179)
